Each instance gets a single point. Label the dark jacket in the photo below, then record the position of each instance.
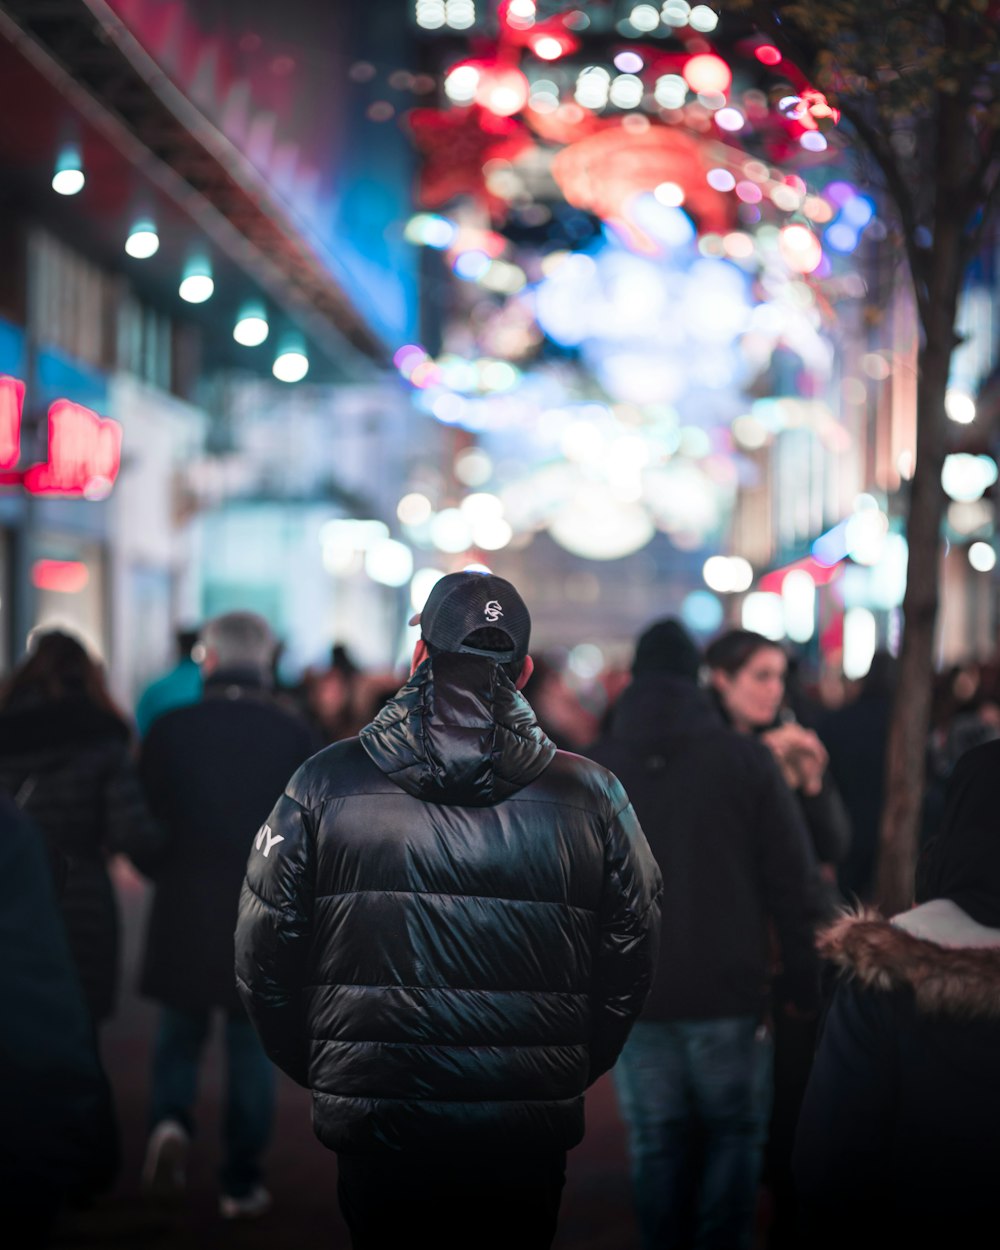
(66, 764)
(899, 1133)
(211, 772)
(457, 928)
(730, 843)
(58, 1140)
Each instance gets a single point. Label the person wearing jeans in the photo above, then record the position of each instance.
(704, 1086)
(250, 1085)
(694, 1078)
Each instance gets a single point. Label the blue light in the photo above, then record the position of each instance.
(471, 265)
(671, 226)
(831, 547)
(858, 211)
(702, 611)
(841, 237)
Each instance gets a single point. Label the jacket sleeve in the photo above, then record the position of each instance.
(274, 931)
(828, 822)
(629, 940)
(791, 887)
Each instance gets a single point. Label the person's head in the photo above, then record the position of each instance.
(667, 647)
(56, 666)
(961, 860)
(479, 614)
(239, 641)
(747, 672)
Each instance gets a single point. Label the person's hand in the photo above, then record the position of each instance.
(800, 755)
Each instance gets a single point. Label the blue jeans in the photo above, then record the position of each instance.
(696, 1097)
(250, 1086)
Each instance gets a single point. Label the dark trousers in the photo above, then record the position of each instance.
(451, 1201)
(250, 1089)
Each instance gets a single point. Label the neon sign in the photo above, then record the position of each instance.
(84, 449)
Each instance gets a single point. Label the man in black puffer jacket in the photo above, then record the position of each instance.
(446, 931)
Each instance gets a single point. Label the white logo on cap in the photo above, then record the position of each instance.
(493, 611)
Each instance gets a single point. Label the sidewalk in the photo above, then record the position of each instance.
(301, 1174)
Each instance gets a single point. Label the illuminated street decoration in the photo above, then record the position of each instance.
(11, 406)
(84, 454)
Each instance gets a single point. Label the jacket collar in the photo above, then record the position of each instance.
(951, 964)
(458, 733)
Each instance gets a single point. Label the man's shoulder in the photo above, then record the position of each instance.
(577, 781)
(340, 770)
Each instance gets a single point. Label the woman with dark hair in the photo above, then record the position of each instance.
(899, 1135)
(65, 760)
(748, 675)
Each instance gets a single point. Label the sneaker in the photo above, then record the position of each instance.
(255, 1203)
(166, 1154)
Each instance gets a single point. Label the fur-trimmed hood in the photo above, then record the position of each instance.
(951, 964)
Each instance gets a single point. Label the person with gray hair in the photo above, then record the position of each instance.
(211, 772)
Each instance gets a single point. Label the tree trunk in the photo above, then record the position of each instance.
(908, 734)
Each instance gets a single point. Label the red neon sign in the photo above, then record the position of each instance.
(66, 576)
(11, 406)
(84, 449)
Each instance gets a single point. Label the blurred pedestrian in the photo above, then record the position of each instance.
(211, 773)
(748, 673)
(856, 736)
(446, 931)
(58, 1146)
(65, 759)
(694, 1079)
(176, 688)
(900, 1129)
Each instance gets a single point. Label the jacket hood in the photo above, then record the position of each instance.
(656, 708)
(458, 733)
(951, 964)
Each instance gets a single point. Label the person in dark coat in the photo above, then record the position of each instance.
(211, 772)
(65, 759)
(58, 1144)
(748, 674)
(446, 931)
(694, 1078)
(899, 1134)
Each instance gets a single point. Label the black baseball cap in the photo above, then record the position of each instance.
(460, 603)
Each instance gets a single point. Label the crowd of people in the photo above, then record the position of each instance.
(448, 907)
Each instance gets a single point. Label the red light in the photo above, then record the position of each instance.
(11, 407)
(66, 577)
(84, 453)
(767, 54)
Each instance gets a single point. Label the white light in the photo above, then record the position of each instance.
(430, 14)
(548, 49)
(251, 330)
(460, 85)
(960, 406)
(523, 10)
(68, 181)
(460, 14)
(860, 637)
(798, 599)
(424, 581)
(491, 533)
(740, 574)
(676, 13)
(730, 119)
(592, 87)
(481, 507)
(644, 17)
(196, 288)
(142, 243)
(965, 477)
(982, 557)
(670, 91)
(414, 509)
(728, 575)
(865, 534)
(473, 467)
(764, 613)
(389, 563)
(703, 19)
(626, 91)
(670, 194)
(291, 366)
(451, 531)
